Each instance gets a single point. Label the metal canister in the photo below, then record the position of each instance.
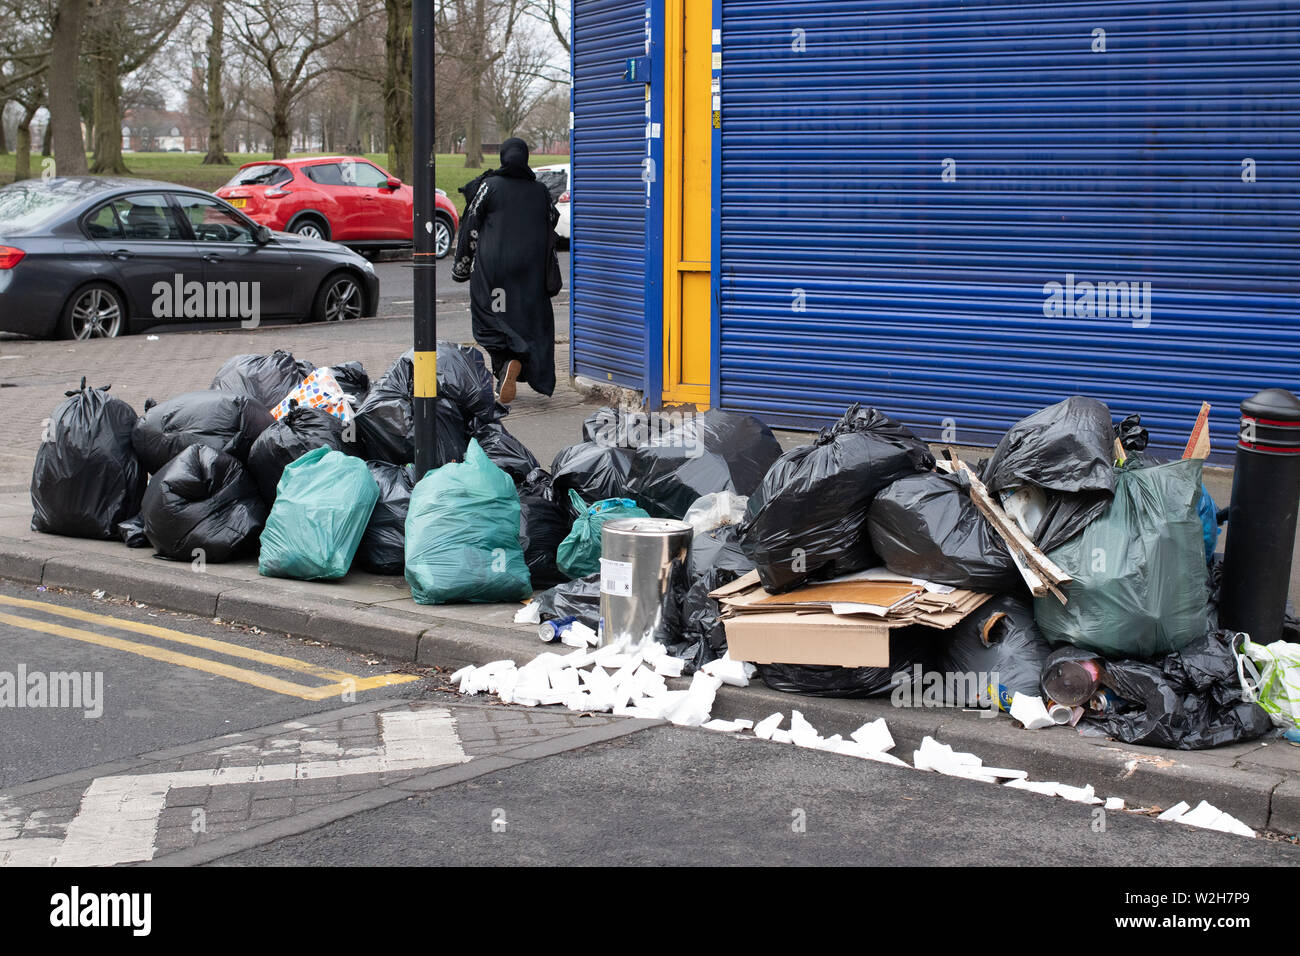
(642, 567)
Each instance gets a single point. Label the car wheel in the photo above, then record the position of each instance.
(309, 227)
(441, 237)
(94, 312)
(340, 298)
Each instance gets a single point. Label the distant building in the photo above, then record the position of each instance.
(155, 131)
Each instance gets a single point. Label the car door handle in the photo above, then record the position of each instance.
(121, 254)
(212, 257)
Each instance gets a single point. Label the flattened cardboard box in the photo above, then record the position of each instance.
(798, 627)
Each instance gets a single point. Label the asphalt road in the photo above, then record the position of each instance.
(197, 717)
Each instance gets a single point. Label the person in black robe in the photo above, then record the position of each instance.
(505, 251)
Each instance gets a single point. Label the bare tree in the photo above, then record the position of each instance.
(216, 155)
(397, 88)
(284, 38)
(121, 37)
(65, 115)
(475, 33)
(515, 83)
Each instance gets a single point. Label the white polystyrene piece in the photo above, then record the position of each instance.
(1031, 712)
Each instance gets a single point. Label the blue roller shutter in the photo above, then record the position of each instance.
(929, 298)
(608, 227)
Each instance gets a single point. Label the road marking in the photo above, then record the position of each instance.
(117, 821)
(181, 637)
(243, 675)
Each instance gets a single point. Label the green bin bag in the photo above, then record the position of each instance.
(1139, 569)
(322, 505)
(579, 554)
(462, 535)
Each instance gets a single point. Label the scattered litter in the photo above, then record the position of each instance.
(1031, 712)
(1114, 803)
(728, 726)
(97, 594)
(767, 726)
(530, 613)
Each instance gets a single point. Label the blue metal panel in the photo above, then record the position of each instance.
(607, 324)
(930, 296)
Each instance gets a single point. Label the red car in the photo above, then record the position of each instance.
(345, 199)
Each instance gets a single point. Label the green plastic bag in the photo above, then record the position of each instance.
(1139, 569)
(462, 535)
(322, 506)
(579, 554)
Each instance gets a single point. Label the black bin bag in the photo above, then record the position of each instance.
(1066, 450)
(998, 639)
(87, 477)
(354, 381)
(703, 635)
(266, 379)
(926, 526)
(808, 518)
(301, 430)
(543, 524)
(224, 421)
(383, 547)
(700, 455)
(203, 503)
(506, 451)
(386, 419)
(907, 648)
(1189, 700)
(595, 471)
(578, 598)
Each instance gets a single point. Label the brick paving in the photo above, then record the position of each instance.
(194, 815)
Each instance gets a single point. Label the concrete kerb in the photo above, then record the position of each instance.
(1260, 796)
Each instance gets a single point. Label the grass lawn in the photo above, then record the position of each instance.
(187, 169)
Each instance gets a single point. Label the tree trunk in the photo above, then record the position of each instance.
(280, 130)
(107, 111)
(216, 102)
(397, 89)
(474, 135)
(47, 140)
(65, 116)
(4, 143)
(23, 150)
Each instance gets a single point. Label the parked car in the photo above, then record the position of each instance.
(345, 199)
(445, 223)
(557, 179)
(86, 257)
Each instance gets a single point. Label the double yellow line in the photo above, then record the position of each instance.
(341, 682)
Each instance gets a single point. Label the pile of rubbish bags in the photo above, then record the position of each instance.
(310, 470)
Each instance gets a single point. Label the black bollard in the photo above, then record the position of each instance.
(1262, 517)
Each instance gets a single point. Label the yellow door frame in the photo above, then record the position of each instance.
(688, 213)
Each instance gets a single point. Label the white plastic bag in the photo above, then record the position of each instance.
(1270, 676)
(715, 510)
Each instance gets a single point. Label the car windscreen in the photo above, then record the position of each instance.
(556, 181)
(29, 204)
(263, 174)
